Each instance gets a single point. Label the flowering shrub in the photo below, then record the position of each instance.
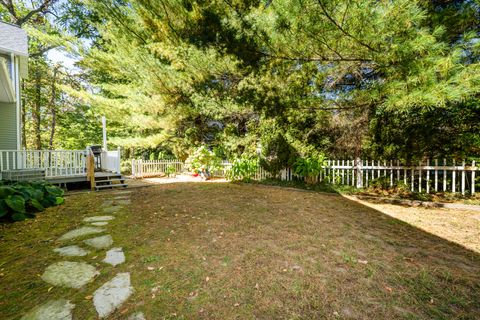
(202, 158)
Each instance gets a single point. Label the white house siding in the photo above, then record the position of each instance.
(8, 126)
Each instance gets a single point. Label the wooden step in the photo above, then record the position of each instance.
(116, 185)
(110, 180)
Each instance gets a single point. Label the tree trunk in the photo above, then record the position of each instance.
(37, 112)
(53, 107)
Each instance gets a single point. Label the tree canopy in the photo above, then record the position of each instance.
(389, 79)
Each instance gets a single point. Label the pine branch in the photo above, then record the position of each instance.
(339, 27)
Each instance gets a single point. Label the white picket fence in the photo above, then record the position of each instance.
(152, 168)
(426, 176)
(56, 163)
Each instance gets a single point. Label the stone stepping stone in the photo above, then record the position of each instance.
(107, 203)
(112, 209)
(123, 192)
(98, 218)
(52, 310)
(69, 274)
(115, 256)
(99, 223)
(112, 294)
(137, 316)
(83, 231)
(123, 202)
(101, 242)
(71, 251)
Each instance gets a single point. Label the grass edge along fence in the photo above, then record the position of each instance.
(426, 176)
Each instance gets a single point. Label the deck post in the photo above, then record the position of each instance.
(91, 168)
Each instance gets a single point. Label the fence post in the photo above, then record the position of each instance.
(473, 177)
(454, 182)
(359, 172)
(428, 176)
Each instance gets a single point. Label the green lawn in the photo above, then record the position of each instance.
(227, 251)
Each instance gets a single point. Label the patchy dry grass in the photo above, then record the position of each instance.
(226, 251)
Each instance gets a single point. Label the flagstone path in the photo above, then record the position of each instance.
(72, 274)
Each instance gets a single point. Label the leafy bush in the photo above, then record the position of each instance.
(243, 169)
(170, 170)
(202, 158)
(309, 167)
(21, 200)
(277, 155)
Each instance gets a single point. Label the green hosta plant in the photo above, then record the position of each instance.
(309, 168)
(243, 169)
(21, 200)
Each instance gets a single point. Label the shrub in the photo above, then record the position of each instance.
(309, 167)
(243, 169)
(202, 157)
(21, 200)
(277, 155)
(170, 170)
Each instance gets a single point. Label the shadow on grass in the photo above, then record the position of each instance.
(314, 256)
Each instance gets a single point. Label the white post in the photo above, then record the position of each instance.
(473, 177)
(453, 177)
(378, 169)
(444, 175)
(391, 173)
(359, 164)
(420, 178)
(428, 176)
(366, 172)
(463, 177)
(436, 175)
(104, 131)
(412, 176)
(398, 171)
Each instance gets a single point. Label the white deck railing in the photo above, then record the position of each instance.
(56, 163)
(111, 161)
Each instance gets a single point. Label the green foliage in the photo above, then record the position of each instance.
(309, 167)
(170, 170)
(21, 200)
(277, 155)
(243, 168)
(391, 79)
(202, 158)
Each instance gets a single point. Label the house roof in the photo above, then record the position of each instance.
(13, 39)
